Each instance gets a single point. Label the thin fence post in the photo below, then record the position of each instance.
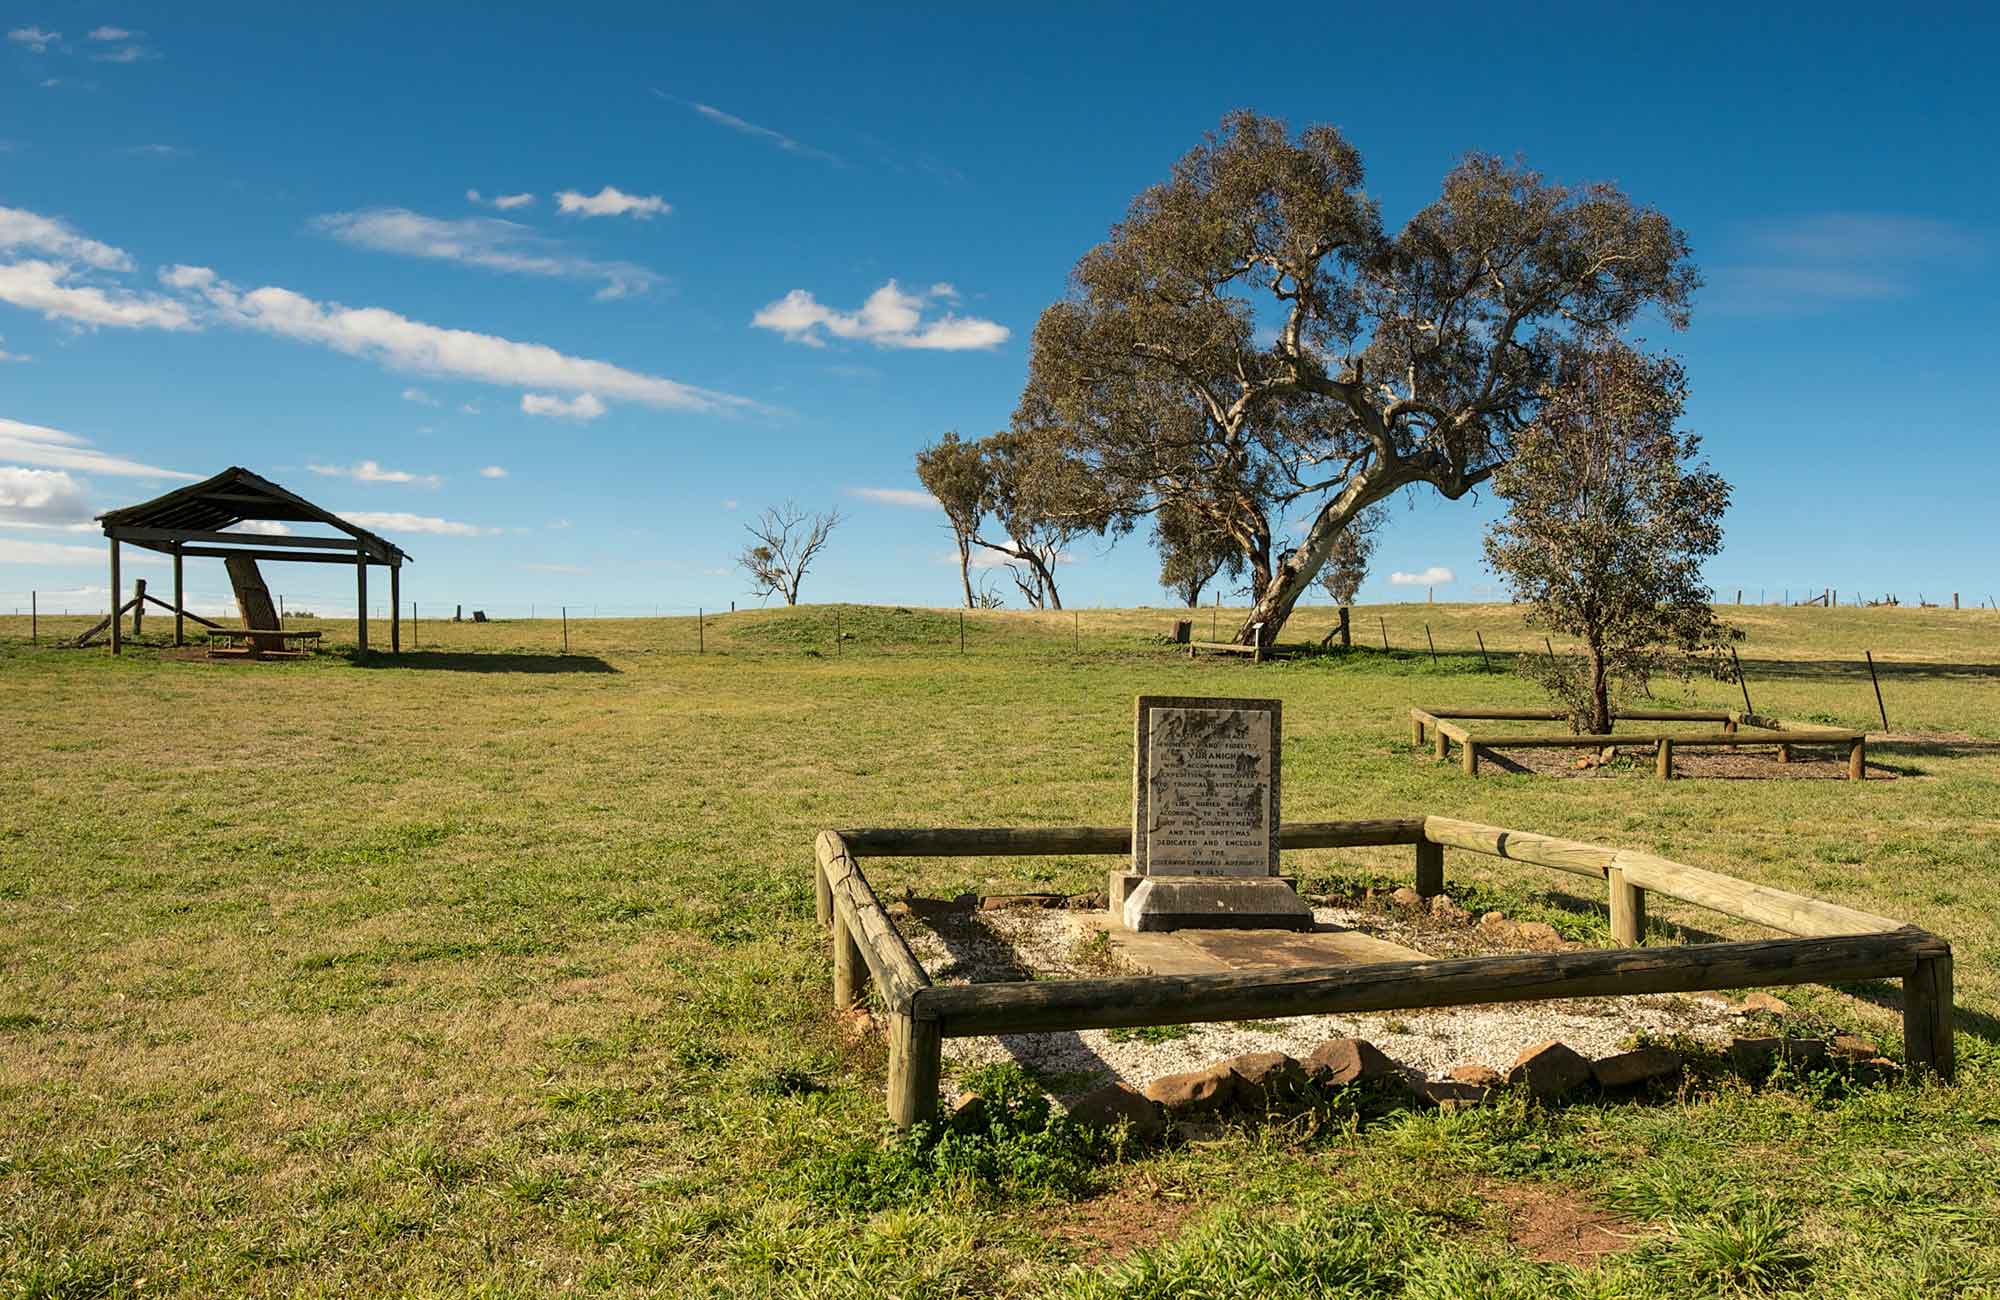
(1385, 632)
(961, 631)
(1879, 708)
(1741, 680)
(1215, 619)
(1433, 645)
(700, 631)
(836, 632)
(1075, 632)
(565, 619)
(1482, 653)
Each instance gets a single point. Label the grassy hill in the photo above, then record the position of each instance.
(491, 970)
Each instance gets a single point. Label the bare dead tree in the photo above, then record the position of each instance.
(788, 540)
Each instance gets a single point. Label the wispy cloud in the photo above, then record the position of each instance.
(32, 232)
(555, 568)
(395, 340)
(401, 522)
(1829, 260)
(111, 34)
(369, 471)
(611, 202)
(504, 202)
(34, 38)
(52, 288)
(492, 471)
(487, 242)
(35, 444)
(584, 406)
(67, 555)
(890, 318)
(776, 138)
(1435, 576)
(910, 497)
(419, 396)
(124, 54)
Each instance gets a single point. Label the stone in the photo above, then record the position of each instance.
(1085, 902)
(1406, 898)
(1450, 1095)
(1764, 1002)
(854, 1023)
(1537, 934)
(1120, 1103)
(1879, 1070)
(1853, 1048)
(999, 902)
(1630, 1069)
(1266, 1079)
(968, 1114)
(1194, 1092)
(900, 909)
(1341, 1061)
(1444, 909)
(1755, 1057)
(1206, 786)
(1211, 902)
(1479, 1076)
(1492, 918)
(1550, 1069)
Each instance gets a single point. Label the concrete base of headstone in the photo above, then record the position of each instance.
(1215, 903)
(1121, 883)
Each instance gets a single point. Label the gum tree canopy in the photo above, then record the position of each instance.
(1250, 345)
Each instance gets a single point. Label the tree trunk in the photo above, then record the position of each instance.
(1293, 576)
(965, 567)
(1600, 693)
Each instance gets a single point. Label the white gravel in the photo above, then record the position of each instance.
(1014, 943)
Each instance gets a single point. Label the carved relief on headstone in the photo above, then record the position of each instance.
(1206, 786)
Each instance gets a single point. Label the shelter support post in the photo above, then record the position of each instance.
(180, 601)
(361, 603)
(117, 590)
(395, 609)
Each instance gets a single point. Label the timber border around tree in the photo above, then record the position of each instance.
(1738, 729)
(1828, 944)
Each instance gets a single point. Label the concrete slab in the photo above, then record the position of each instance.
(1215, 952)
(1215, 903)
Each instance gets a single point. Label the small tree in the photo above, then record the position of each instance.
(1609, 522)
(1192, 552)
(1347, 563)
(955, 472)
(787, 542)
(1041, 501)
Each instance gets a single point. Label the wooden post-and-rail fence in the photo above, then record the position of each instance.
(1827, 944)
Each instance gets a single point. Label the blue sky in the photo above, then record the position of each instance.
(493, 281)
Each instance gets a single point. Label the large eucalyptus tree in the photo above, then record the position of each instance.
(1249, 344)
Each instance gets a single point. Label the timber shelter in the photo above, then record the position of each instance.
(195, 521)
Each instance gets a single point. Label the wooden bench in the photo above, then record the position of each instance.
(262, 643)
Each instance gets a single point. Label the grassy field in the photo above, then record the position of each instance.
(491, 971)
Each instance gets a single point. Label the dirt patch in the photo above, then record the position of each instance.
(1559, 1227)
(1119, 1222)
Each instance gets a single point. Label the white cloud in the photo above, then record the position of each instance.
(38, 445)
(5, 355)
(399, 521)
(124, 54)
(505, 202)
(395, 340)
(486, 242)
(110, 34)
(584, 406)
(22, 229)
(560, 523)
(611, 202)
(946, 290)
(729, 503)
(492, 471)
(911, 497)
(419, 396)
(369, 471)
(778, 138)
(469, 408)
(45, 287)
(34, 38)
(555, 568)
(62, 554)
(890, 318)
(1435, 576)
(41, 498)
(262, 528)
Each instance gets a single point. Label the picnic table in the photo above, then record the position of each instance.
(262, 642)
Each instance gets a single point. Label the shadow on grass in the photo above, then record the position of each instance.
(1857, 669)
(1888, 994)
(498, 661)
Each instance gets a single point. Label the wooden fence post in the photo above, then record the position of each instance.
(1417, 732)
(1628, 910)
(1927, 1019)
(1665, 761)
(850, 969)
(1469, 756)
(822, 897)
(916, 1058)
(1857, 761)
(1430, 869)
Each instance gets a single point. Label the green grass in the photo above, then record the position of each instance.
(493, 971)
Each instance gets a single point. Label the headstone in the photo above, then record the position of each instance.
(1205, 815)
